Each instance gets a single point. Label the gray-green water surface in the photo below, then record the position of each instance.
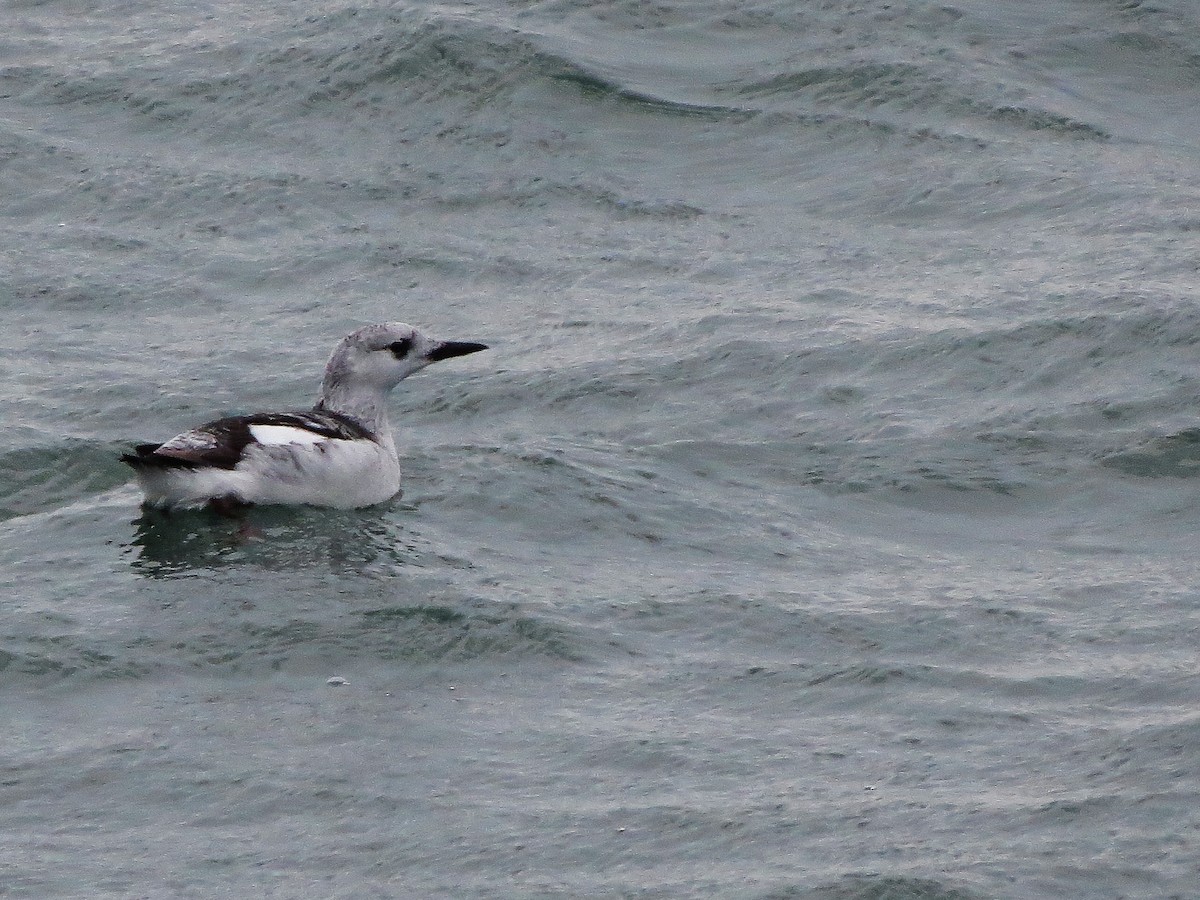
(822, 523)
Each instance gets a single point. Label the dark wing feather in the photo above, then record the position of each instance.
(221, 444)
(326, 424)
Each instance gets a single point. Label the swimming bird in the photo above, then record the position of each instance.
(341, 453)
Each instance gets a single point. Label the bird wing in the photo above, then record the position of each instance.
(223, 443)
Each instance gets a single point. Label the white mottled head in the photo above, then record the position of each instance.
(369, 362)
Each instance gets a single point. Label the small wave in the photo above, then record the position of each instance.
(874, 676)
(920, 99)
(867, 83)
(380, 65)
(1172, 456)
(430, 632)
(1039, 120)
(182, 637)
(422, 632)
(37, 479)
(875, 887)
(598, 87)
(452, 58)
(34, 666)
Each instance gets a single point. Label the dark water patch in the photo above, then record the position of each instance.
(437, 615)
(910, 97)
(34, 168)
(46, 659)
(872, 676)
(1150, 759)
(865, 83)
(441, 633)
(34, 480)
(632, 207)
(651, 754)
(1171, 456)
(1150, 45)
(409, 635)
(30, 664)
(360, 70)
(882, 101)
(16, 79)
(254, 636)
(1067, 810)
(41, 84)
(876, 887)
(523, 190)
(595, 88)
(425, 60)
(453, 57)
(362, 65)
(327, 60)
(1037, 120)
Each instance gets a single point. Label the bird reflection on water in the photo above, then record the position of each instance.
(189, 542)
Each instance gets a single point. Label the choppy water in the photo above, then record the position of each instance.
(821, 525)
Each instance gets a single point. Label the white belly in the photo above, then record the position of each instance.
(334, 473)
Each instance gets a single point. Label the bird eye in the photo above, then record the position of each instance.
(400, 348)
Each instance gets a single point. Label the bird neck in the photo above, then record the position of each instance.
(367, 406)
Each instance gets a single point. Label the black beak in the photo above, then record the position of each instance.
(449, 349)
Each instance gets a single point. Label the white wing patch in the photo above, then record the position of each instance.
(278, 435)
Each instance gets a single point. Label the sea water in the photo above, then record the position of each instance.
(821, 523)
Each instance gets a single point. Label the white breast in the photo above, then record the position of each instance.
(322, 472)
